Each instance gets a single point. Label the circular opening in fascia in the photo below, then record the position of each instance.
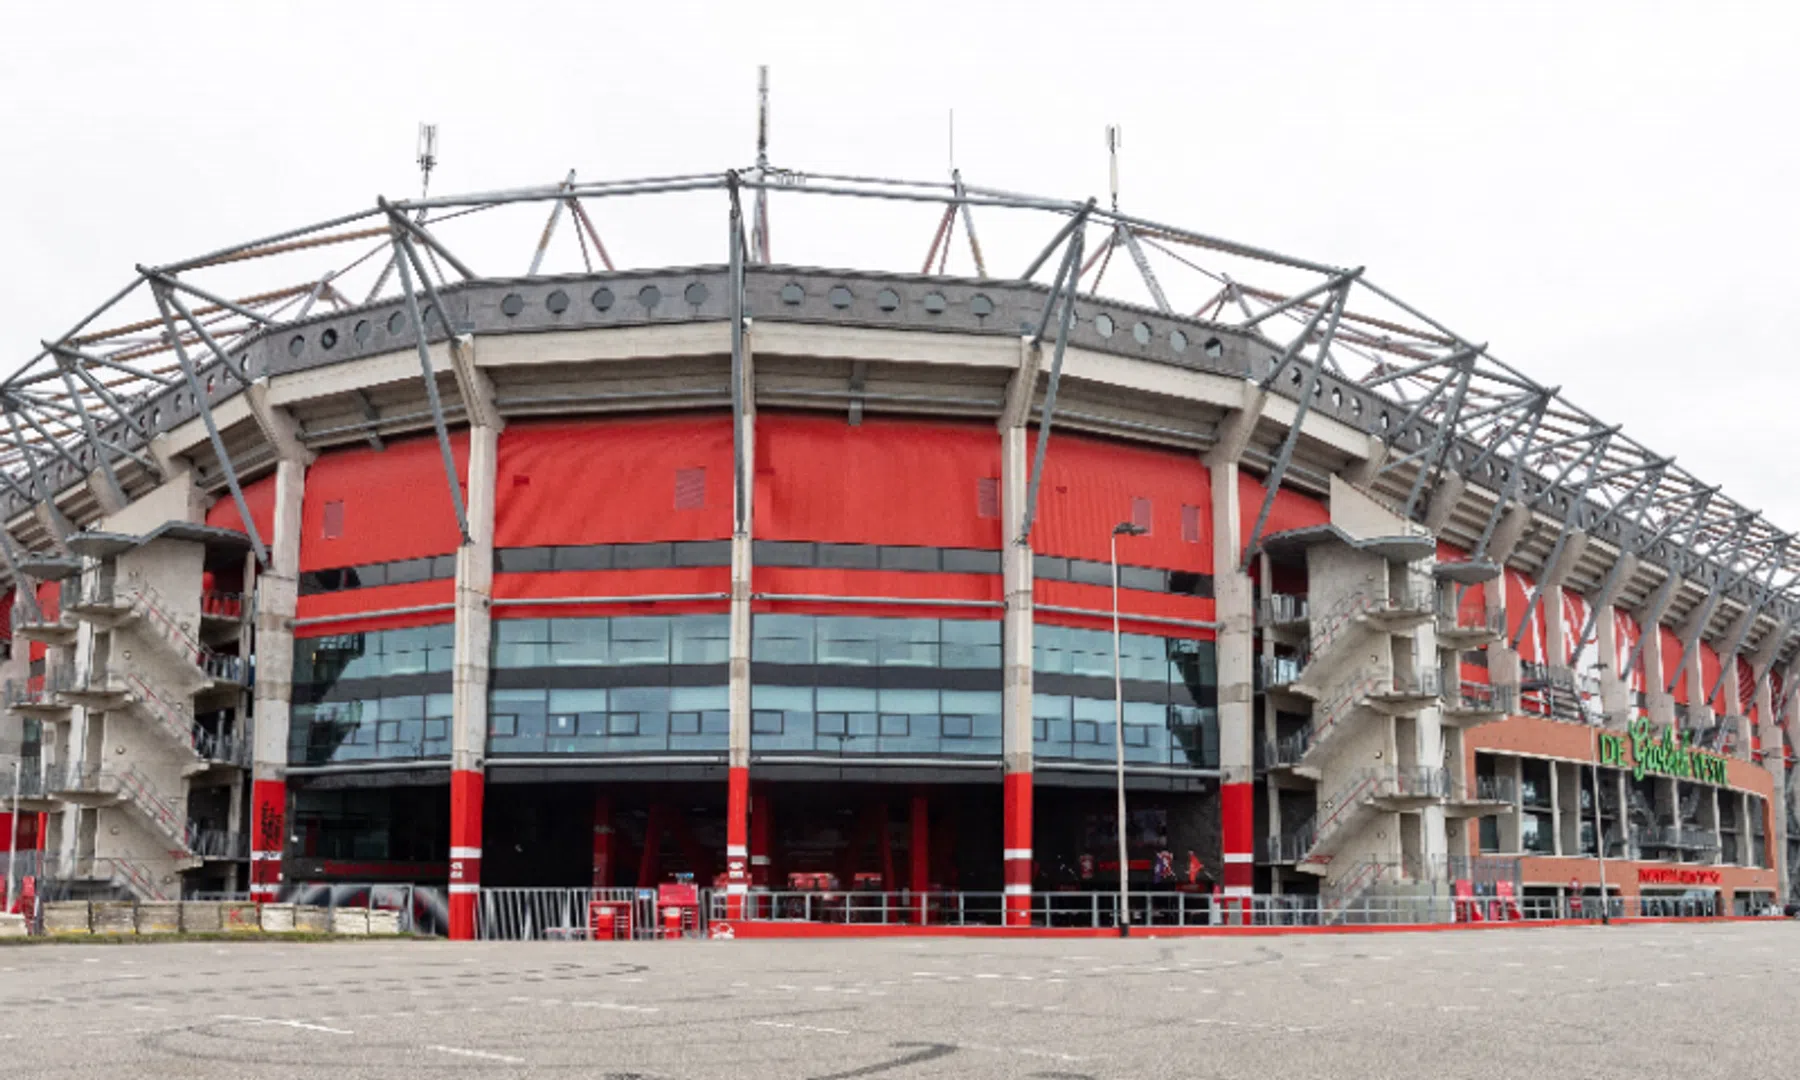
(695, 293)
(557, 302)
(1337, 398)
(649, 296)
(1140, 333)
(1215, 348)
(328, 338)
(395, 322)
(511, 304)
(840, 296)
(887, 300)
(602, 299)
(792, 294)
(981, 306)
(935, 304)
(361, 331)
(1177, 341)
(296, 345)
(1103, 325)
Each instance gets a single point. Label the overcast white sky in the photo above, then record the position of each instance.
(1605, 193)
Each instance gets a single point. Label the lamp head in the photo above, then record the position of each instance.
(1129, 528)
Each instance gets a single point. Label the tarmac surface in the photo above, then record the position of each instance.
(1698, 1000)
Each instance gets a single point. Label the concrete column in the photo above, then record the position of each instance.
(1615, 685)
(1234, 649)
(737, 795)
(1016, 730)
(469, 682)
(277, 592)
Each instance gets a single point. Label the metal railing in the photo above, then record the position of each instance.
(1477, 697)
(1338, 709)
(218, 844)
(223, 749)
(137, 790)
(1333, 814)
(1412, 600)
(1495, 789)
(1452, 618)
(1282, 609)
(39, 690)
(58, 877)
(1418, 782)
(1327, 629)
(30, 782)
(1275, 671)
(1419, 684)
(221, 605)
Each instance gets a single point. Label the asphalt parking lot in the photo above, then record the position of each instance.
(1699, 1000)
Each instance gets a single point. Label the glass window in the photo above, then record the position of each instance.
(640, 640)
(577, 642)
(782, 553)
(766, 722)
(907, 642)
(684, 723)
(701, 639)
(522, 560)
(703, 553)
(909, 558)
(621, 723)
(848, 640)
(781, 639)
(643, 556)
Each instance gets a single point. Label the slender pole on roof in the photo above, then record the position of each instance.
(759, 223)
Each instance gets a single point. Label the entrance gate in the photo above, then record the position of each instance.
(580, 915)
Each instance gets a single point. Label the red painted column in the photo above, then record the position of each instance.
(762, 830)
(466, 788)
(921, 855)
(737, 841)
(603, 842)
(1237, 821)
(1016, 831)
(268, 838)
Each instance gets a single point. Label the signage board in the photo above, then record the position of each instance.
(1672, 755)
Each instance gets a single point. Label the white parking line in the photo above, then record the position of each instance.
(477, 1054)
(286, 1023)
(799, 1027)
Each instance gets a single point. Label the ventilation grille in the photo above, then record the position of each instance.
(987, 497)
(690, 489)
(1190, 524)
(1142, 514)
(334, 519)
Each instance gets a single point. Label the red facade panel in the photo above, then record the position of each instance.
(909, 482)
(1291, 510)
(1710, 666)
(354, 604)
(1518, 594)
(613, 481)
(1092, 485)
(1671, 655)
(368, 506)
(259, 495)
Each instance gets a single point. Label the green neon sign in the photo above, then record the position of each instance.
(1642, 753)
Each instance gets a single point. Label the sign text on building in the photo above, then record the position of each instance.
(1642, 753)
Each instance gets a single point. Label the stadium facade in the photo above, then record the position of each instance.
(750, 570)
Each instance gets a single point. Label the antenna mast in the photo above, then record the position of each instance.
(1112, 154)
(759, 225)
(427, 156)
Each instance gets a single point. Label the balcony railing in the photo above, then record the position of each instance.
(1481, 697)
(1494, 789)
(218, 844)
(221, 605)
(39, 690)
(1452, 618)
(1277, 671)
(1418, 782)
(1283, 609)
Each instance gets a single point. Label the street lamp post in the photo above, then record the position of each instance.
(1124, 528)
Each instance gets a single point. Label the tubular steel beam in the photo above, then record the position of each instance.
(1272, 482)
(103, 451)
(1067, 276)
(556, 209)
(417, 230)
(169, 282)
(739, 487)
(231, 365)
(161, 292)
(403, 255)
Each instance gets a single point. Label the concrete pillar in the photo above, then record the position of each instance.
(277, 592)
(1016, 730)
(737, 796)
(1234, 648)
(1615, 685)
(469, 682)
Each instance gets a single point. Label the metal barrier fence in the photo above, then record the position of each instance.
(564, 914)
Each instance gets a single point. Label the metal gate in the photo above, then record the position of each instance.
(576, 915)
